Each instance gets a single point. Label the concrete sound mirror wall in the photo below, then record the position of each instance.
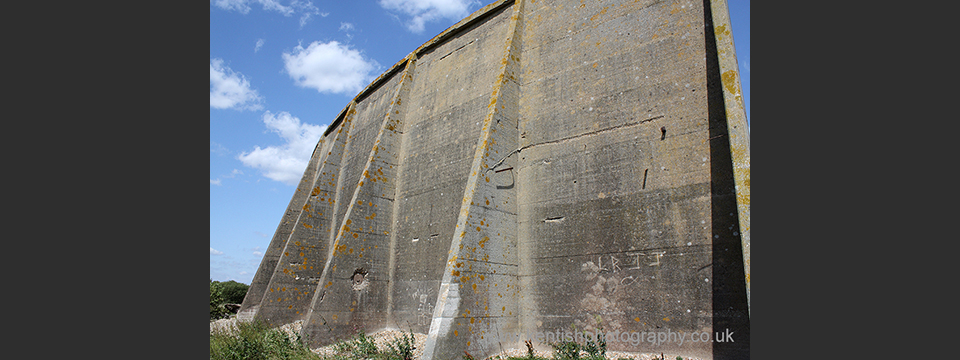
(540, 168)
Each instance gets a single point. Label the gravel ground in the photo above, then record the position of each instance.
(381, 338)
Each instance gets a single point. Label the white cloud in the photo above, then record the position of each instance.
(218, 149)
(236, 5)
(306, 9)
(234, 173)
(229, 89)
(257, 253)
(287, 162)
(215, 252)
(259, 45)
(329, 68)
(423, 11)
(345, 26)
(215, 182)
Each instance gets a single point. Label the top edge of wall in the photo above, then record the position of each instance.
(476, 17)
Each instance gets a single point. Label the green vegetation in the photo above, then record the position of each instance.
(362, 347)
(254, 340)
(233, 292)
(223, 293)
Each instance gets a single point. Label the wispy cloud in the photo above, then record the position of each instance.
(218, 149)
(306, 9)
(285, 163)
(259, 45)
(329, 67)
(345, 26)
(231, 90)
(423, 11)
(216, 182)
(215, 252)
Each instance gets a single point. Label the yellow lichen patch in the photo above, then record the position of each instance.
(316, 191)
(485, 239)
(666, 319)
(474, 287)
(729, 79)
(743, 198)
(722, 30)
(308, 226)
(355, 235)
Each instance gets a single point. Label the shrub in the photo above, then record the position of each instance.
(402, 348)
(255, 340)
(233, 292)
(217, 310)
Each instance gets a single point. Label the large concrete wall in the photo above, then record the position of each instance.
(539, 167)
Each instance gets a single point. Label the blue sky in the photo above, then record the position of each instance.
(281, 71)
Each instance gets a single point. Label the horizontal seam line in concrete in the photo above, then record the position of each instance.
(592, 132)
(483, 261)
(488, 273)
(622, 252)
(495, 209)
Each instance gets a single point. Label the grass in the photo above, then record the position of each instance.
(254, 340)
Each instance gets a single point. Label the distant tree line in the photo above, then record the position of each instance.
(224, 293)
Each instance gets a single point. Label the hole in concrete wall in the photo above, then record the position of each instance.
(358, 276)
(359, 279)
(553, 219)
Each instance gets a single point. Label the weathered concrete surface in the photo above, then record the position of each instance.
(541, 168)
